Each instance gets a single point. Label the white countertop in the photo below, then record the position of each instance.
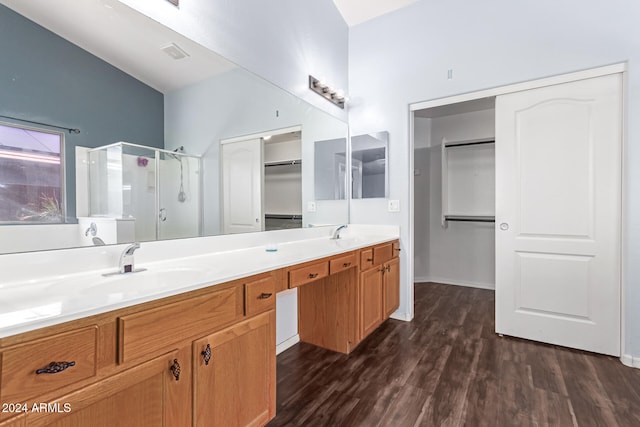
(31, 303)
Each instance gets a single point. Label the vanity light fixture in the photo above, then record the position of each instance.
(327, 92)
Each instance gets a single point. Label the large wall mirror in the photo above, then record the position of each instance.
(142, 111)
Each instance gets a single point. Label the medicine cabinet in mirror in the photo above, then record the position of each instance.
(369, 166)
(330, 167)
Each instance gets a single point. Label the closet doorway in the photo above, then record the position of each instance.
(262, 181)
(555, 230)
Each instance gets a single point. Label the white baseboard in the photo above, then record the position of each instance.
(287, 343)
(631, 361)
(405, 317)
(444, 281)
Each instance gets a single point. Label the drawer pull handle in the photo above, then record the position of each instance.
(206, 354)
(55, 367)
(175, 369)
(388, 268)
(369, 259)
(346, 264)
(313, 275)
(265, 295)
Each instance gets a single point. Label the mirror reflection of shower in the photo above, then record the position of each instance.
(152, 193)
(182, 196)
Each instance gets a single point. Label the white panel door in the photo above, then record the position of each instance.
(558, 214)
(242, 178)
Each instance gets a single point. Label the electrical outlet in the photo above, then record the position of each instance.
(311, 206)
(394, 206)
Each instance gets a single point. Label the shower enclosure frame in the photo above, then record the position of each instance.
(157, 159)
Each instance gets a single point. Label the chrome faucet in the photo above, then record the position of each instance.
(126, 258)
(336, 232)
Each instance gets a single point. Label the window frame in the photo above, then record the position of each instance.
(63, 176)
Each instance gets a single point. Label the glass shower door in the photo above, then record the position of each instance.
(139, 190)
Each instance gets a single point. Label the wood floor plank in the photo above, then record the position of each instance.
(448, 368)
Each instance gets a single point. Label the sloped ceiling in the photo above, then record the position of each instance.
(133, 42)
(125, 39)
(356, 12)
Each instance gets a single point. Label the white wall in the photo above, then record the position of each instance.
(403, 57)
(283, 42)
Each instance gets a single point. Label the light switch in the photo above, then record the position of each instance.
(311, 206)
(394, 206)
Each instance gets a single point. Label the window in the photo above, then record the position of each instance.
(31, 175)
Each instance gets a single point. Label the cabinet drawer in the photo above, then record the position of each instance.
(382, 253)
(19, 378)
(346, 262)
(144, 334)
(259, 296)
(309, 273)
(366, 259)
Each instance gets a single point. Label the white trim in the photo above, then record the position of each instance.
(517, 87)
(479, 285)
(628, 360)
(261, 134)
(623, 189)
(408, 275)
(288, 343)
(405, 317)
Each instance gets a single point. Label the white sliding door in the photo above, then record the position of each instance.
(558, 214)
(242, 178)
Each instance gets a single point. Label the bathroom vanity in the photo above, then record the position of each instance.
(201, 354)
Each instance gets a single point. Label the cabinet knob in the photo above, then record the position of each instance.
(55, 367)
(346, 264)
(313, 275)
(175, 369)
(265, 295)
(369, 259)
(206, 354)
(504, 226)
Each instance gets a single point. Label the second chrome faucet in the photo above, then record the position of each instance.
(336, 232)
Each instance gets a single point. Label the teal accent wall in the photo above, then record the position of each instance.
(45, 78)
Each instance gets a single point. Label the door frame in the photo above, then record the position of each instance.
(511, 88)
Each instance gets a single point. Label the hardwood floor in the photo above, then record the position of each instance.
(449, 368)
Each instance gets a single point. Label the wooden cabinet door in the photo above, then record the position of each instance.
(234, 374)
(19, 421)
(391, 287)
(370, 300)
(147, 395)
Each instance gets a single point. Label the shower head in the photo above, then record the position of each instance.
(177, 150)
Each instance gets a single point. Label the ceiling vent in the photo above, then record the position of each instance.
(175, 51)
